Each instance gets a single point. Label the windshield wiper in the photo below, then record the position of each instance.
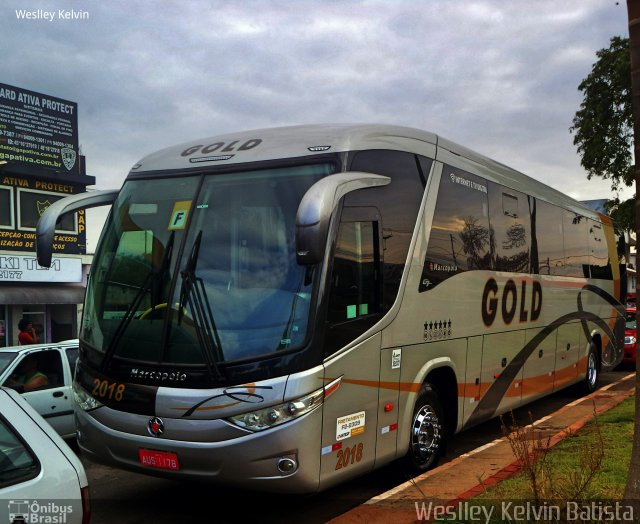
(152, 276)
(159, 276)
(194, 295)
(124, 323)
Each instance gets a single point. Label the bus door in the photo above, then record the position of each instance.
(354, 305)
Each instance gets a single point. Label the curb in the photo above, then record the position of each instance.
(389, 507)
(516, 466)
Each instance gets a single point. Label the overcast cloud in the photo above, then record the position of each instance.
(497, 76)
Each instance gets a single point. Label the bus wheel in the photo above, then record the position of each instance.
(427, 432)
(590, 381)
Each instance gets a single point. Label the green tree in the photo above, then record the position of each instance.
(603, 126)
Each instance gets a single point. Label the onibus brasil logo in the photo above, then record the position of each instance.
(34, 512)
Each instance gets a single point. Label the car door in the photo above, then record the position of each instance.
(35, 470)
(55, 401)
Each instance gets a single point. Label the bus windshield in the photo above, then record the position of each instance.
(199, 270)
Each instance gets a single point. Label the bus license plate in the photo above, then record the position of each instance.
(159, 459)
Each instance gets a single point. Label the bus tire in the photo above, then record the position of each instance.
(426, 437)
(592, 375)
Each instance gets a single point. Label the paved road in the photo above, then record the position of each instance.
(124, 497)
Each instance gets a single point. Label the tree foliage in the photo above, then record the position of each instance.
(623, 213)
(603, 125)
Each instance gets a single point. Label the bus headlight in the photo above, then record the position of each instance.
(275, 415)
(629, 340)
(83, 399)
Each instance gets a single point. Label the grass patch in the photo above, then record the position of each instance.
(612, 431)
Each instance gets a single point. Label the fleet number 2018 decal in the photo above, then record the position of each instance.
(349, 455)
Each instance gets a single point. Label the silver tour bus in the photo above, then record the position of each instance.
(285, 309)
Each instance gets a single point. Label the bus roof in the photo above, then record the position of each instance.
(307, 140)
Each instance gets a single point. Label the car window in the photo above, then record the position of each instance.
(17, 462)
(5, 359)
(48, 363)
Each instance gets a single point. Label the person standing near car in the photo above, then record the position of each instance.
(28, 333)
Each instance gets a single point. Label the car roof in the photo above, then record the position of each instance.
(32, 347)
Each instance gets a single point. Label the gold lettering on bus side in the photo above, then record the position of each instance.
(510, 300)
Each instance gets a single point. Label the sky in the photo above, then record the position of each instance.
(497, 76)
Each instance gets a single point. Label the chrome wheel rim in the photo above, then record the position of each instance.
(592, 370)
(426, 435)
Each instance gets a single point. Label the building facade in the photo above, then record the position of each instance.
(40, 163)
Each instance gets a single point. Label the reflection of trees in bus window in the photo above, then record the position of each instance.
(599, 261)
(548, 223)
(475, 240)
(575, 230)
(460, 238)
(510, 218)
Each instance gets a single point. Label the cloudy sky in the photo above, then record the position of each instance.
(497, 76)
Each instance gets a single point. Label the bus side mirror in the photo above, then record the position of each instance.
(317, 206)
(46, 228)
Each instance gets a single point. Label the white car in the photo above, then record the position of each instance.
(55, 400)
(41, 478)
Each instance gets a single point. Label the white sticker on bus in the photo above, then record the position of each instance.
(396, 358)
(350, 425)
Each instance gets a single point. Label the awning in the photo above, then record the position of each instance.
(40, 294)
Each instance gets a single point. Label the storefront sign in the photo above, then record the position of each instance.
(38, 131)
(26, 269)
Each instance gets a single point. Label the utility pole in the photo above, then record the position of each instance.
(632, 490)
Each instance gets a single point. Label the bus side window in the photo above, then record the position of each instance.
(575, 245)
(600, 263)
(354, 284)
(510, 222)
(398, 203)
(460, 238)
(548, 238)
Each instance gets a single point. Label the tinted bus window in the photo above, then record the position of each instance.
(598, 253)
(510, 219)
(548, 235)
(574, 227)
(460, 237)
(353, 284)
(398, 204)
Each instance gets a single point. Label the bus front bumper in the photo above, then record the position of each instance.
(285, 458)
